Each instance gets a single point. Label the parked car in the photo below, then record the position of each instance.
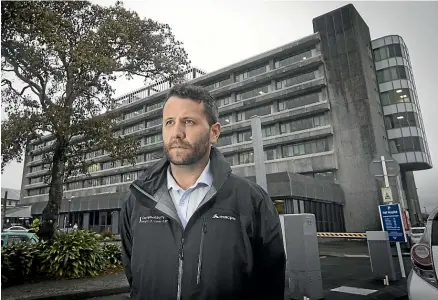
(416, 234)
(423, 279)
(10, 238)
(16, 229)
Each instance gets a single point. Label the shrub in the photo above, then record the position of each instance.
(107, 235)
(75, 254)
(35, 225)
(20, 262)
(113, 255)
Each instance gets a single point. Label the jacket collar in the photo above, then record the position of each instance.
(155, 176)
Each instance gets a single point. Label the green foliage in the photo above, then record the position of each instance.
(75, 254)
(19, 263)
(59, 59)
(107, 235)
(113, 255)
(35, 226)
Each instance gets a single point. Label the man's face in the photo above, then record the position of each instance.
(187, 136)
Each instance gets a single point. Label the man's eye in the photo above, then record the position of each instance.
(170, 122)
(189, 122)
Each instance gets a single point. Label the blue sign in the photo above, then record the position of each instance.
(391, 218)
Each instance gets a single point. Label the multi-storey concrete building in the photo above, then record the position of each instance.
(322, 124)
(402, 115)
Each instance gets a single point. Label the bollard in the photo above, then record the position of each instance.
(303, 267)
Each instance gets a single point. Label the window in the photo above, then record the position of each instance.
(224, 140)
(398, 120)
(293, 59)
(305, 148)
(225, 120)
(252, 93)
(92, 182)
(385, 52)
(130, 176)
(133, 113)
(223, 101)
(153, 155)
(36, 168)
(290, 81)
(110, 165)
(37, 157)
(152, 139)
(259, 111)
(268, 131)
(134, 128)
(35, 180)
(392, 73)
(110, 179)
(252, 72)
(218, 84)
(303, 124)
(94, 168)
(269, 154)
(94, 154)
(246, 157)
(155, 106)
(406, 144)
(154, 122)
(396, 96)
(74, 185)
(33, 192)
(244, 136)
(298, 101)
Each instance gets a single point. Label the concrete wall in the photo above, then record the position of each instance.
(357, 122)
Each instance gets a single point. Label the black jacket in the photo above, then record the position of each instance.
(231, 248)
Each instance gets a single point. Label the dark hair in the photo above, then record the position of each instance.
(198, 94)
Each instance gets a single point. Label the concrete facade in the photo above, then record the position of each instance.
(322, 124)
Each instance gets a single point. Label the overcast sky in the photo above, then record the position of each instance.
(218, 33)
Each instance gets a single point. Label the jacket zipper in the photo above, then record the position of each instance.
(201, 250)
(180, 268)
(181, 247)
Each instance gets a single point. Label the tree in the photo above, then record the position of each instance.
(65, 55)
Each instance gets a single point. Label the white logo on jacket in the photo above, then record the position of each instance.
(153, 219)
(216, 216)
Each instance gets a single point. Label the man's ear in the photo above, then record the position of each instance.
(215, 132)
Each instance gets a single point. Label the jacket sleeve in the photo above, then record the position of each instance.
(126, 238)
(269, 255)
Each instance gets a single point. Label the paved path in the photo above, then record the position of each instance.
(346, 271)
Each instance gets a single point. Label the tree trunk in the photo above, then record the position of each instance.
(51, 211)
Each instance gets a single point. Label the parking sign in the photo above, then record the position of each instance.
(391, 218)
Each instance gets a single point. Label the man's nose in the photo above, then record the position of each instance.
(179, 131)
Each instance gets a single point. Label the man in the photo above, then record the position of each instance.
(190, 228)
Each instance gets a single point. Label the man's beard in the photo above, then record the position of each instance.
(191, 154)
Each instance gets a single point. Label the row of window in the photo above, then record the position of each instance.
(291, 59)
(41, 145)
(290, 81)
(266, 109)
(392, 73)
(406, 144)
(396, 96)
(289, 150)
(251, 73)
(392, 50)
(402, 119)
(298, 101)
(243, 158)
(303, 124)
(271, 130)
(141, 125)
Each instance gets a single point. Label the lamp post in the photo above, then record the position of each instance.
(69, 209)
